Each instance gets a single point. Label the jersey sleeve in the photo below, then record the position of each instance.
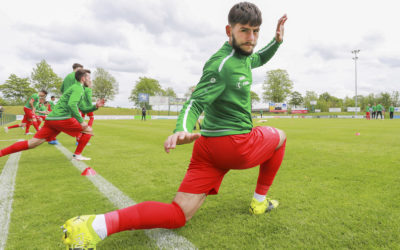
(265, 54)
(73, 103)
(207, 90)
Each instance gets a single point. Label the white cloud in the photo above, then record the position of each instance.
(170, 40)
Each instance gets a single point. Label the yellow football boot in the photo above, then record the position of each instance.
(267, 205)
(79, 233)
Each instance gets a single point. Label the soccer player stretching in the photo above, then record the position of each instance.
(227, 141)
(29, 110)
(64, 118)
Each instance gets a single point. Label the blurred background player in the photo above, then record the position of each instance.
(391, 110)
(70, 79)
(29, 110)
(64, 118)
(143, 113)
(367, 113)
(379, 109)
(228, 139)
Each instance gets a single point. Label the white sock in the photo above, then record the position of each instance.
(259, 197)
(99, 226)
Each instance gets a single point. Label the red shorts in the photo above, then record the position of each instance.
(213, 157)
(29, 115)
(52, 128)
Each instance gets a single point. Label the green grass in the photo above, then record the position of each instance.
(19, 110)
(336, 190)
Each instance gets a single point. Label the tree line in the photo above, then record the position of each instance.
(277, 87)
(16, 90)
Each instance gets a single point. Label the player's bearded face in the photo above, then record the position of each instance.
(244, 42)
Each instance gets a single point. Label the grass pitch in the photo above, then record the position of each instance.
(336, 190)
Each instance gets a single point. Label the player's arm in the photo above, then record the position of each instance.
(73, 103)
(207, 90)
(31, 103)
(265, 54)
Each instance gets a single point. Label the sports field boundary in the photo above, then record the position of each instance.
(164, 238)
(7, 186)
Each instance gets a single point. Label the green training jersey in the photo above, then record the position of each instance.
(391, 109)
(69, 104)
(373, 108)
(52, 105)
(69, 80)
(379, 107)
(36, 98)
(87, 98)
(41, 107)
(367, 109)
(223, 93)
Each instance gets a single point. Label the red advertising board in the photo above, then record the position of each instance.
(299, 111)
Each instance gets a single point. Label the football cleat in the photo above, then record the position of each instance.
(80, 158)
(53, 142)
(267, 205)
(79, 233)
(6, 129)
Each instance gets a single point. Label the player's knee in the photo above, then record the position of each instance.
(33, 143)
(282, 138)
(180, 218)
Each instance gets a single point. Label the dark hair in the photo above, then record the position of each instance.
(76, 65)
(245, 13)
(52, 97)
(45, 102)
(44, 91)
(81, 72)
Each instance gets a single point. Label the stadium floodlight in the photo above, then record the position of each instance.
(355, 52)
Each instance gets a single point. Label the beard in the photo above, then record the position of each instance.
(237, 48)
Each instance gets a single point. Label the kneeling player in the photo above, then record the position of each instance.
(227, 141)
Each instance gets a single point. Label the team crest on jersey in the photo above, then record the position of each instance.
(241, 83)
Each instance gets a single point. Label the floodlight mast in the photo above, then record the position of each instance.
(355, 52)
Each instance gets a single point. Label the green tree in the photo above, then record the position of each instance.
(145, 85)
(396, 98)
(43, 77)
(310, 96)
(385, 99)
(254, 98)
(169, 92)
(296, 99)
(16, 90)
(277, 85)
(104, 85)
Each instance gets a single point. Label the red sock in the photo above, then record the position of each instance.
(91, 119)
(145, 215)
(14, 126)
(16, 147)
(269, 169)
(83, 140)
(35, 124)
(28, 125)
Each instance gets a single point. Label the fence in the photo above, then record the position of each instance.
(6, 118)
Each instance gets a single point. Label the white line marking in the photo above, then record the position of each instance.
(165, 239)
(11, 140)
(7, 182)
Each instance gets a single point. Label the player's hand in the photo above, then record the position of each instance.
(179, 138)
(100, 103)
(280, 29)
(84, 125)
